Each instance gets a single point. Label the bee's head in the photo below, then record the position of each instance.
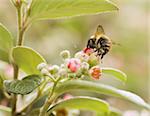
(99, 32)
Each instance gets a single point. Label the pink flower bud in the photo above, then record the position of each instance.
(88, 51)
(95, 72)
(67, 96)
(74, 64)
(9, 71)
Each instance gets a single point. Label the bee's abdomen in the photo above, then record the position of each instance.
(104, 46)
(104, 43)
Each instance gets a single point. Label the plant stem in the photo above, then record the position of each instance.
(36, 99)
(20, 27)
(19, 42)
(6, 95)
(29, 106)
(14, 100)
(49, 101)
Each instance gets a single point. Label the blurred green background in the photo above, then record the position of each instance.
(128, 27)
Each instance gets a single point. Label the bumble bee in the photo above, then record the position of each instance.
(100, 42)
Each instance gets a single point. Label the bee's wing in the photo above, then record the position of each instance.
(99, 30)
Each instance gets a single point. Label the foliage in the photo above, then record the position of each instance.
(56, 9)
(96, 105)
(116, 73)
(100, 88)
(6, 43)
(24, 86)
(24, 56)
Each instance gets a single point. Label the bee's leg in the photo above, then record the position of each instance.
(91, 43)
(104, 53)
(95, 50)
(99, 52)
(88, 43)
(102, 56)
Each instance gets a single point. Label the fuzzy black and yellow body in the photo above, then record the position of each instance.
(100, 42)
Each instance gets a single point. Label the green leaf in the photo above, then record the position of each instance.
(6, 43)
(100, 88)
(113, 112)
(27, 59)
(116, 73)
(5, 111)
(56, 9)
(24, 86)
(85, 103)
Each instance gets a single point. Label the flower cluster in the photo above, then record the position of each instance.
(84, 64)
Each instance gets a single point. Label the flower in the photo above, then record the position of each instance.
(53, 69)
(65, 54)
(85, 66)
(44, 72)
(82, 56)
(73, 64)
(93, 60)
(67, 96)
(62, 66)
(41, 66)
(62, 72)
(88, 51)
(95, 72)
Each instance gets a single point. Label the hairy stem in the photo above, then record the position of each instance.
(19, 42)
(35, 100)
(20, 27)
(28, 107)
(48, 102)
